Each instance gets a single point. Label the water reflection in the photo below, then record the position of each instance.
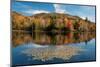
(45, 46)
(44, 38)
(51, 52)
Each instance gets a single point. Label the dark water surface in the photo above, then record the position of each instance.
(46, 48)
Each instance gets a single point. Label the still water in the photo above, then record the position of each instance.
(47, 48)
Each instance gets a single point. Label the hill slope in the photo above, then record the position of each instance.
(51, 22)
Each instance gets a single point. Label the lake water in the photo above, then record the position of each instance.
(50, 48)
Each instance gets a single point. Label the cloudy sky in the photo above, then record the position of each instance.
(31, 8)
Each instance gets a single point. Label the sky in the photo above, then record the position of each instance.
(31, 8)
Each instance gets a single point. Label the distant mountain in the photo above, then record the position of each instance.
(51, 22)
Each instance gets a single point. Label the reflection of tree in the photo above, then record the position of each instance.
(19, 38)
(50, 52)
(44, 38)
(76, 35)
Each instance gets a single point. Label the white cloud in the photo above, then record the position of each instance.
(91, 18)
(32, 12)
(83, 17)
(59, 9)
